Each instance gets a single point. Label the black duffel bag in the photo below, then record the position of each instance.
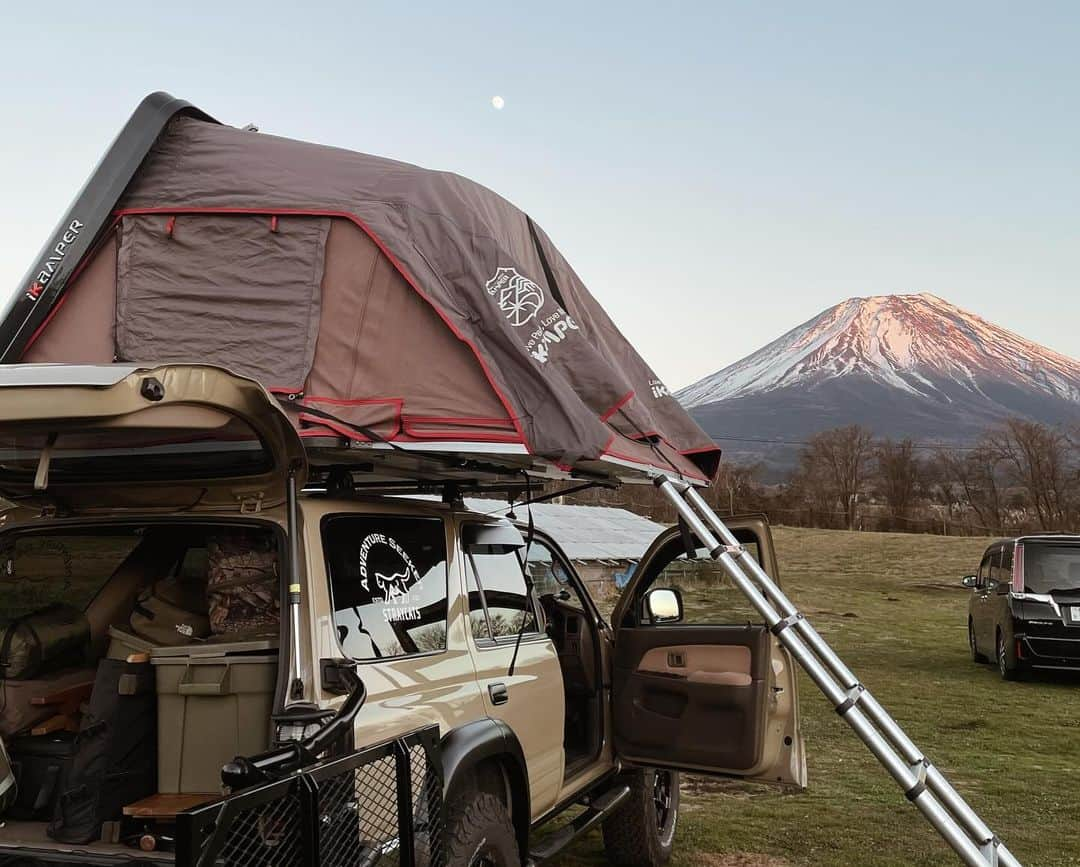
(115, 760)
(42, 766)
(44, 640)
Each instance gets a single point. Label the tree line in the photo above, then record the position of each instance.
(1019, 477)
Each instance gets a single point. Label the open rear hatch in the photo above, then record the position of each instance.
(179, 436)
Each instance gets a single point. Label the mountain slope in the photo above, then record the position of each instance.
(903, 365)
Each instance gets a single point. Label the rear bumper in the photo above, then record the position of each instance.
(1054, 652)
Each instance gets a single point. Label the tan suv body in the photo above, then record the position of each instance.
(540, 702)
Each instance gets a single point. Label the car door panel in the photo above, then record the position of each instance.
(532, 704)
(519, 675)
(696, 692)
(725, 664)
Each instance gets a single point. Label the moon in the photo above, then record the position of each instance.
(497, 103)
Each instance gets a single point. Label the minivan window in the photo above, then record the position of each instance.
(388, 584)
(1001, 567)
(1051, 568)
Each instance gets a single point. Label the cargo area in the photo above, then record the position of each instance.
(135, 660)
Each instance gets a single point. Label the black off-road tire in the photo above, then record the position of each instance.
(975, 655)
(479, 832)
(637, 835)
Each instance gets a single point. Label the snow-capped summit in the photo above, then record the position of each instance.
(903, 365)
(919, 344)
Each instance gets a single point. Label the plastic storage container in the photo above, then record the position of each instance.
(214, 703)
(122, 644)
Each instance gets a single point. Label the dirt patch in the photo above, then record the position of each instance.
(810, 611)
(940, 586)
(736, 859)
(964, 725)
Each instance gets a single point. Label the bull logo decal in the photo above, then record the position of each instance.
(394, 585)
(517, 296)
(387, 572)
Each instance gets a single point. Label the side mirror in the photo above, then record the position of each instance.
(663, 606)
(970, 581)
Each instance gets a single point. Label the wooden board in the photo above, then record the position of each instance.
(166, 806)
(70, 696)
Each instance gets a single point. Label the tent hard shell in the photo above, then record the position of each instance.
(384, 302)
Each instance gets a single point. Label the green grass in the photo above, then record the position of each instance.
(891, 605)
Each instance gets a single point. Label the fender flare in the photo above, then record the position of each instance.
(465, 747)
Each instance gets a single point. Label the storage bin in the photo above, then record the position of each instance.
(122, 644)
(214, 703)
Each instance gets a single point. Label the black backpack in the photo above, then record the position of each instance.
(115, 761)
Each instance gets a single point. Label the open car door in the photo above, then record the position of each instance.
(699, 682)
(176, 436)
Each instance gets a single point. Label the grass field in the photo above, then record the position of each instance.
(891, 606)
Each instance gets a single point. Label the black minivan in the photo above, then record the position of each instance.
(1024, 610)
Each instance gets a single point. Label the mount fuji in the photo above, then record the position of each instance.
(902, 365)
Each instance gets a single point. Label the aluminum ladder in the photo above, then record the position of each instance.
(922, 783)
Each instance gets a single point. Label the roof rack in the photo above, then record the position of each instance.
(344, 480)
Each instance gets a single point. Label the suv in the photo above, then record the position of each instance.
(1024, 608)
(449, 618)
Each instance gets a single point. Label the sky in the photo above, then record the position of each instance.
(716, 172)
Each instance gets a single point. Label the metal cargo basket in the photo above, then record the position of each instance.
(381, 805)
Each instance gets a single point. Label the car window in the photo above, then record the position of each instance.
(38, 570)
(1051, 568)
(551, 576)
(984, 568)
(499, 604)
(1001, 567)
(709, 595)
(387, 583)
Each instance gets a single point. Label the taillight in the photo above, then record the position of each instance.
(1018, 570)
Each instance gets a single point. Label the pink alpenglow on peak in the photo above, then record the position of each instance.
(919, 344)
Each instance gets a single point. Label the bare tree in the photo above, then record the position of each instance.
(899, 476)
(841, 459)
(977, 473)
(1038, 460)
(940, 484)
(734, 485)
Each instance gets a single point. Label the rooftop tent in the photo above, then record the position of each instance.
(416, 304)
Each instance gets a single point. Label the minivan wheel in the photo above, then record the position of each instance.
(1007, 666)
(479, 833)
(975, 655)
(641, 833)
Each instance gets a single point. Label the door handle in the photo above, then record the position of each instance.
(499, 693)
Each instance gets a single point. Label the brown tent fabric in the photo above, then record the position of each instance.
(415, 302)
(170, 306)
(80, 330)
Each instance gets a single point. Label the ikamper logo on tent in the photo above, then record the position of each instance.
(517, 296)
(52, 262)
